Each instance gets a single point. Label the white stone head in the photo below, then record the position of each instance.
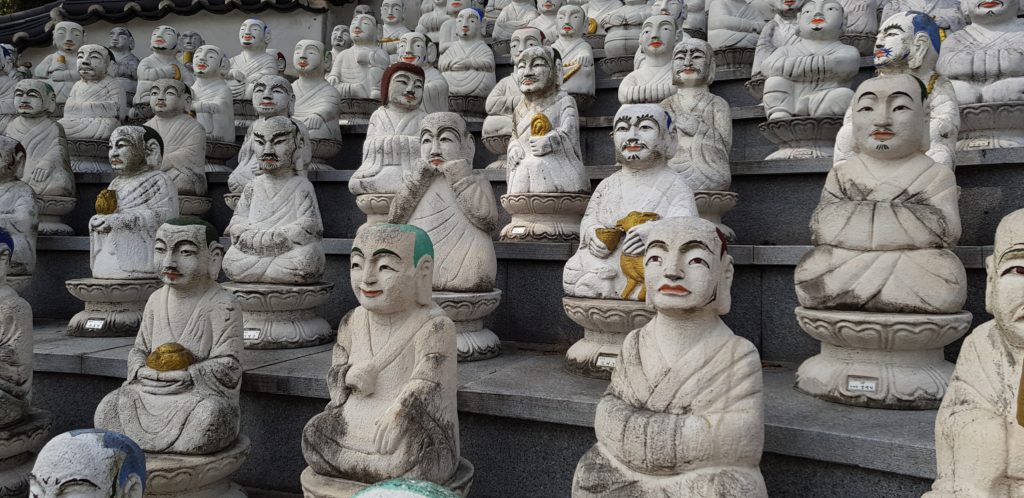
(890, 117)
(392, 12)
(693, 63)
(89, 463)
(1004, 292)
(190, 41)
(391, 268)
(417, 48)
(6, 250)
(94, 62)
(272, 95)
(907, 40)
(549, 7)
(658, 36)
(163, 38)
(453, 7)
(121, 39)
(989, 12)
(209, 62)
(340, 38)
(444, 137)
(68, 36)
(134, 150)
(525, 38)
(687, 267)
(572, 21)
(12, 159)
(363, 30)
(279, 145)
(187, 253)
(821, 20)
(363, 10)
(8, 58)
(469, 24)
(169, 98)
(254, 34)
(787, 7)
(311, 58)
(34, 98)
(402, 86)
(643, 136)
(405, 488)
(675, 9)
(539, 71)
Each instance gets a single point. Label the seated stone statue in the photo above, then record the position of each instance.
(441, 194)
(188, 43)
(780, 31)
(393, 137)
(121, 242)
(446, 33)
(253, 62)
(514, 16)
(60, 69)
(15, 344)
(544, 154)
(341, 40)
(812, 76)
(392, 14)
(184, 371)
(89, 461)
(415, 48)
(126, 64)
(978, 434)
(162, 63)
(577, 55)
(317, 103)
(734, 24)
(97, 103)
(7, 83)
(596, 10)
(276, 230)
(359, 69)
(468, 64)
(945, 13)
(547, 21)
(683, 415)
(431, 19)
(47, 165)
(888, 215)
(211, 95)
(644, 188)
(701, 120)
(651, 81)
(861, 21)
(622, 26)
(392, 411)
(985, 60)
(502, 101)
(18, 212)
(184, 138)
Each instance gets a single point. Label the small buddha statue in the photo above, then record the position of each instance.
(359, 68)
(615, 222)
(161, 63)
(126, 63)
(18, 212)
(341, 40)
(502, 101)
(97, 103)
(597, 9)
(945, 13)
(780, 31)
(432, 18)
(188, 43)
(392, 14)
(86, 461)
(187, 406)
(516, 15)
(211, 95)
(547, 22)
(705, 434)
(15, 344)
(651, 81)
(183, 137)
(622, 27)
(60, 68)
(253, 62)
(416, 48)
(861, 23)
(468, 64)
(985, 60)
(734, 24)
(317, 102)
(577, 55)
(446, 34)
(276, 230)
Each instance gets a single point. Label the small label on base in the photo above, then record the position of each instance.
(94, 323)
(251, 334)
(862, 384)
(518, 230)
(607, 360)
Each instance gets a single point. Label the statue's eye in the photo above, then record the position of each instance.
(355, 266)
(700, 261)
(386, 267)
(866, 108)
(653, 259)
(1019, 270)
(901, 108)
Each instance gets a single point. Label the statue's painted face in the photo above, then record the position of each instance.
(986, 11)
(121, 39)
(683, 265)
(33, 98)
(308, 56)
(405, 90)
(381, 269)
(271, 95)
(690, 62)
(1005, 293)
(127, 150)
(412, 48)
(207, 60)
(276, 142)
(453, 7)
(821, 19)
(253, 33)
(523, 39)
(658, 35)
(169, 98)
(572, 21)
(786, 6)
(86, 465)
(190, 41)
(641, 135)
(364, 29)
(536, 71)
(92, 62)
(888, 117)
(894, 40)
(340, 37)
(163, 38)
(670, 8)
(467, 24)
(392, 11)
(548, 7)
(68, 36)
(183, 255)
(441, 142)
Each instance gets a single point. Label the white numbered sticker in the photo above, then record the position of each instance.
(518, 230)
(94, 323)
(607, 360)
(862, 384)
(251, 334)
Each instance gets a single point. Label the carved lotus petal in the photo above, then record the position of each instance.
(883, 331)
(470, 107)
(98, 149)
(221, 152)
(269, 297)
(172, 473)
(467, 306)
(564, 204)
(595, 40)
(715, 202)
(991, 116)
(194, 205)
(379, 204)
(357, 108)
(863, 42)
(231, 199)
(617, 67)
(112, 290)
(608, 315)
(28, 435)
(497, 144)
(51, 205)
(734, 58)
(325, 148)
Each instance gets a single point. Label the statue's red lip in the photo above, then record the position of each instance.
(882, 135)
(789, 3)
(689, 70)
(634, 148)
(674, 290)
(989, 5)
(302, 64)
(437, 162)
(173, 275)
(818, 20)
(656, 44)
(879, 54)
(371, 293)
(409, 58)
(567, 27)
(201, 66)
(159, 41)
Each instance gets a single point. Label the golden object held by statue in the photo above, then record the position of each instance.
(170, 356)
(106, 202)
(633, 266)
(186, 56)
(570, 70)
(591, 25)
(61, 59)
(540, 125)
(177, 72)
(610, 237)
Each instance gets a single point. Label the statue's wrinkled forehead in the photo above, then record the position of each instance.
(134, 133)
(688, 44)
(524, 34)
(174, 234)
(62, 459)
(165, 83)
(276, 125)
(884, 86)
(546, 52)
(414, 35)
(676, 233)
(435, 122)
(93, 48)
(1010, 236)
(44, 88)
(915, 22)
(210, 48)
(407, 241)
(633, 113)
(272, 81)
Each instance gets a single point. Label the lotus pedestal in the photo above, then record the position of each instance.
(994, 125)
(616, 67)
(544, 217)
(605, 324)
(51, 208)
(218, 154)
(375, 207)
(20, 283)
(357, 111)
(737, 60)
(89, 156)
(113, 307)
(245, 113)
(712, 205)
(323, 151)
(193, 205)
(277, 316)
(804, 137)
(497, 145)
(468, 310)
(196, 476)
(316, 485)
(19, 444)
(470, 107)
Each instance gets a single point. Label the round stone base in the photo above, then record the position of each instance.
(113, 308)
(196, 476)
(375, 206)
(19, 444)
(316, 485)
(468, 310)
(595, 40)
(51, 208)
(20, 283)
(544, 217)
(89, 156)
(497, 145)
(995, 125)
(755, 86)
(323, 151)
(357, 111)
(278, 316)
(191, 205)
(470, 107)
(231, 199)
(712, 205)
(879, 360)
(737, 60)
(218, 154)
(616, 67)
(605, 324)
(803, 137)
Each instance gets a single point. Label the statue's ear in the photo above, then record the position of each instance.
(266, 33)
(187, 97)
(132, 487)
(328, 60)
(432, 53)
(723, 299)
(225, 66)
(19, 160)
(154, 156)
(424, 281)
(216, 259)
(919, 49)
(990, 283)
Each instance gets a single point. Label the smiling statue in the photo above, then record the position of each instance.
(96, 104)
(211, 95)
(60, 69)
(683, 415)
(358, 70)
(651, 82)
(253, 62)
(317, 102)
(162, 63)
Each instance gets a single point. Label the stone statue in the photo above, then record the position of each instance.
(468, 64)
(883, 234)
(18, 213)
(516, 15)
(188, 43)
(651, 82)
(415, 48)
(11, 63)
(392, 410)
(60, 68)
(696, 23)
(97, 103)
(597, 9)
(702, 435)
(184, 139)
(977, 430)
(86, 461)
(254, 61)
(431, 19)
(446, 34)
(909, 43)
(734, 24)
(360, 67)
(861, 24)
(945, 13)
(363, 10)
(622, 26)
(15, 342)
(211, 95)
(547, 21)
(162, 63)
(780, 31)
(502, 101)
(48, 166)
(317, 103)
(577, 55)
(126, 64)
(341, 40)
(7, 84)
(392, 14)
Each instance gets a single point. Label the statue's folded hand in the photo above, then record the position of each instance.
(634, 243)
(40, 174)
(99, 224)
(389, 428)
(541, 146)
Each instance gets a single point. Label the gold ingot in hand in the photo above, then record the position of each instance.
(170, 356)
(540, 125)
(177, 72)
(591, 25)
(610, 237)
(106, 202)
(633, 266)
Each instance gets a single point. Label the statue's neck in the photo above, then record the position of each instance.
(191, 292)
(787, 16)
(659, 60)
(162, 54)
(678, 333)
(1005, 25)
(253, 50)
(310, 79)
(638, 170)
(174, 115)
(390, 321)
(692, 91)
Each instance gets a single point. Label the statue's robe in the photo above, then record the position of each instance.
(597, 9)
(47, 164)
(360, 80)
(392, 143)
(47, 70)
(144, 202)
(500, 105)
(622, 28)
(446, 34)
(515, 15)
(16, 353)
(703, 128)
(657, 190)
(687, 426)
(778, 32)
(561, 170)
(979, 446)
(8, 108)
(411, 366)
(126, 70)
(204, 417)
(430, 23)
(435, 91)
(729, 24)
(158, 66)
(647, 85)
(547, 24)
(19, 217)
(391, 34)
(478, 79)
(861, 17)
(291, 211)
(184, 158)
(809, 80)
(248, 166)
(318, 107)
(883, 241)
(577, 59)
(94, 109)
(253, 65)
(990, 62)
(946, 13)
(212, 103)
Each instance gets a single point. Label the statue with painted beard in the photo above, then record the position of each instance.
(506, 95)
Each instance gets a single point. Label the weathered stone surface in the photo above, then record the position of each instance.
(212, 100)
(101, 462)
(468, 63)
(253, 62)
(60, 69)
(97, 103)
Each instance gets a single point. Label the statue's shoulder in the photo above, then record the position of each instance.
(11, 304)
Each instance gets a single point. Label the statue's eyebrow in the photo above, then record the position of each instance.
(660, 244)
(1013, 250)
(356, 250)
(71, 482)
(867, 94)
(896, 94)
(389, 252)
(894, 26)
(696, 243)
(624, 119)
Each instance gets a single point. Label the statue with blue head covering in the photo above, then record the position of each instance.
(18, 211)
(15, 343)
(89, 462)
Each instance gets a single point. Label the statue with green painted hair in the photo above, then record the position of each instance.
(392, 379)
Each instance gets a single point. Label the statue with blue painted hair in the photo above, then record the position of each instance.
(946, 13)
(468, 63)
(89, 462)
(15, 343)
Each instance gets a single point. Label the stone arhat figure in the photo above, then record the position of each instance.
(7, 84)
(392, 15)
(97, 103)
(188, 43)
(945, 13)
(502, 101)
(977, 430)
(596, 10)
(577, 55)
(622, 26)
(340, 40)
(393, 409)
(359, 68)
(447, 32)
(253, 62)
(683, 415)
(15, 345)
(733, 30)
(861, 24)
(547, 21)
(651, 81)
(126, 64)
(87, 461)
(416, 48)
(162, 63)
(317, 102)
(60, 68)
(184, 142)
(432, 18)
(779, 31)
(514, 16)
(18, 212)
(468, 65)
(211, 95)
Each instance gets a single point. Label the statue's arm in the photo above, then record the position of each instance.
(723, 19)
(722, 121)
(340, 363)
(474, 194)
(42, 70)
(832, 206)
(308, 227)
(765, 47)
(143, 343)
(435, 348)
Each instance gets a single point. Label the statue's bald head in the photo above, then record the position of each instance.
(1004, 293)
(444, 137)
(95, 460)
